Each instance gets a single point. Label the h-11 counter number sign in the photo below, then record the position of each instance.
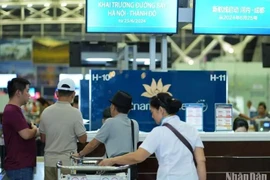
(215, 77)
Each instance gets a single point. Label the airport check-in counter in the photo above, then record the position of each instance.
(237, 154)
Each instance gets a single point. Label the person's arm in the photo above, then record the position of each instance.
(91, 146)
(236, 113)
(101, 137)
(244, 116)
(137, 137)
(79, 129)
(20, 125)
(131, 158)
(42, 128)
(148, 147)
(42, 137)
(82, 139)
(199, 156)
(37, 120)
(200, 159)
(28, 133)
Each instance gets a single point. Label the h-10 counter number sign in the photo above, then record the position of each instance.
(214, 77)
(103, 77)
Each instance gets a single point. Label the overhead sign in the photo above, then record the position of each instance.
(132, 16)
(231, 17)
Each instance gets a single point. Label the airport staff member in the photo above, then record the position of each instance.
(61, 125)
(240, 125)
(236, 114)
(174, 158)
(116, 132)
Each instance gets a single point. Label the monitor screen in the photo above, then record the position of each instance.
(231, 17)
(266, 124)
(132, 16)
(32, 92)
(4, 78)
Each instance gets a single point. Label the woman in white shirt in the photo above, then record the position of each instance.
(174, 158)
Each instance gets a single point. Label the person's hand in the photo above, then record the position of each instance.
(76, 155)
(33, 126)
(37, 134)
(106, 162)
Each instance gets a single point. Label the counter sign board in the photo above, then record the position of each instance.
(223, 117)
(187, 86)
(194, 114)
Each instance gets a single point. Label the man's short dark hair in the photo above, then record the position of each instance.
(16, 84)
(123, 110)
(63, 93)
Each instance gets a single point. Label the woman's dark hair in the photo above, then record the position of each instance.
(43, 101)
(166, 101)
(239, 122)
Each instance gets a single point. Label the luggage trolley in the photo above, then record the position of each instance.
(88, 164)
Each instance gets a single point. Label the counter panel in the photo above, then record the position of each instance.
(213, 136)
(225, 152)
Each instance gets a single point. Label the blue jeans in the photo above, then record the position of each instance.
(21, 174)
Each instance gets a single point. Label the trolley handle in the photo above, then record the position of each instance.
(90, 161)
(86, 158)
(59, 165)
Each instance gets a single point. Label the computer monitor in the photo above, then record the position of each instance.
(262, 125)
(4, 78)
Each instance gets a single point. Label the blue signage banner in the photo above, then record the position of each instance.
(187, 86)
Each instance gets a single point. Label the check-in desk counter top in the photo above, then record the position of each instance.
(225, 152)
